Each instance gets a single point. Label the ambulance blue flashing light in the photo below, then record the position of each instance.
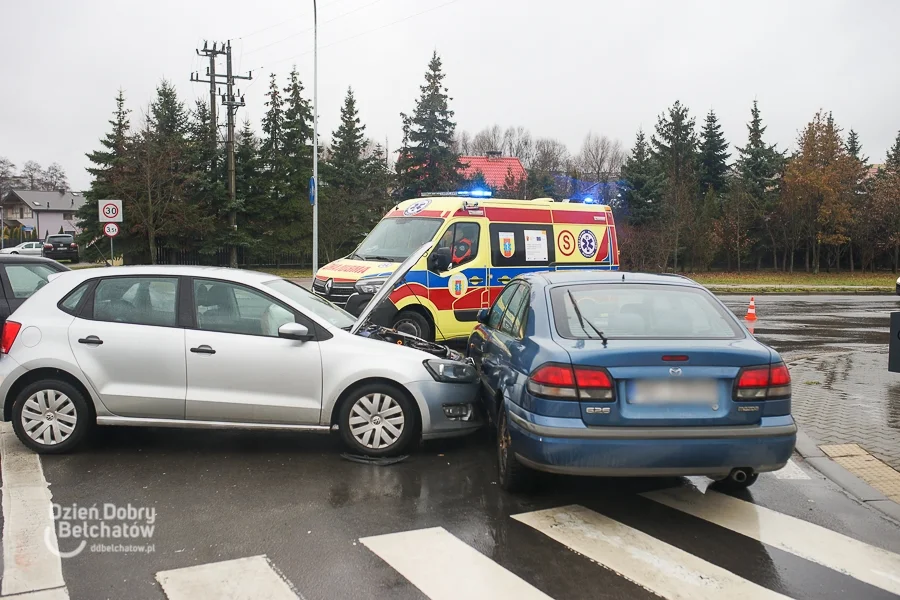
(474, 193)
(588, 200)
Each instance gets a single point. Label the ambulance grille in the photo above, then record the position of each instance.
(340, 292)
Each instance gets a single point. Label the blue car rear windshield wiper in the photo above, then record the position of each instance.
(582, 320)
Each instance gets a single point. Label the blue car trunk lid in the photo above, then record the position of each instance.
(670, 383)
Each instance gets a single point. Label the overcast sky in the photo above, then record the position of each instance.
(560, 68)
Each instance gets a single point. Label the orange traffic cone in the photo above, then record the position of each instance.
(751, 310)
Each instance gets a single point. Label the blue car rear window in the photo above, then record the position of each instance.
(622, 310)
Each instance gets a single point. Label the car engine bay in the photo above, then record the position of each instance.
(393, 336)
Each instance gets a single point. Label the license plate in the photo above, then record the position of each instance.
(691, 391)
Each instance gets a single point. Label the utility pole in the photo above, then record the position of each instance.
(231, 102)
(211, 80)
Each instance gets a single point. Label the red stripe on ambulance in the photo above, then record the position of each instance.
(580, 217)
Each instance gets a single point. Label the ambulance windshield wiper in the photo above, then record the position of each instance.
(382, 258)
(582, 320)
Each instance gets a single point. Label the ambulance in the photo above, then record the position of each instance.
(480, 244)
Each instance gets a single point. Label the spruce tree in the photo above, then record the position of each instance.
(674, 148)
(108, 165)
(427, 161)
(854, 147)
(642, 178)
(167, 113)
(759, 164)
(713, 155)
(892, 161)
(295, 213)
(207, 226)
(347, 164)
(274, 171)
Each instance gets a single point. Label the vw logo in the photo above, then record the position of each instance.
(328, 285)
(675, 371)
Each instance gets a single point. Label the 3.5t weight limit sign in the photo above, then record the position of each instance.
(110, 211)
(111, 230)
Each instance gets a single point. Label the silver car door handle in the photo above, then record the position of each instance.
(204, 349)
(91, 340)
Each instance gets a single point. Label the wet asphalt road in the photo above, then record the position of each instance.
(227, 495)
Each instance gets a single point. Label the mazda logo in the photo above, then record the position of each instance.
(328, 285)
(675, 371)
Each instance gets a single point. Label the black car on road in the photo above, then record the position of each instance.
(21, 276)
(61, 247)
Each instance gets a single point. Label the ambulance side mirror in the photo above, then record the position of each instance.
(439, 260)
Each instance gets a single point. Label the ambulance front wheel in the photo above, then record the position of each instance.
(414, 323)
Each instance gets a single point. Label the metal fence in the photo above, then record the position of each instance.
(245, 258)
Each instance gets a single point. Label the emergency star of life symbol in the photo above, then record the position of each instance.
(587, 243)
(416, 207)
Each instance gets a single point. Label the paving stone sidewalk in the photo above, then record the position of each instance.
(849, 398)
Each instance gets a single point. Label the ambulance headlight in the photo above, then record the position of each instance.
(370, 286)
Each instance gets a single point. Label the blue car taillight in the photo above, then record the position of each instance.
(564, 382)
(767, 382)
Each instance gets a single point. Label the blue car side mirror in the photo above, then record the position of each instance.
(482, 316)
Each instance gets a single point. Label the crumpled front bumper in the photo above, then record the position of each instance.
(432, 396)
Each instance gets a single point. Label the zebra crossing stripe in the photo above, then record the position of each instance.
(444, 567)
(247, 578)
(31, 558)
(791, 471)
(656, 566)
(859, 560)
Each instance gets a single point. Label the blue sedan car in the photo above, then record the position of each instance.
(628, 374)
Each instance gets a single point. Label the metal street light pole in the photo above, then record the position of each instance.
(315, 252)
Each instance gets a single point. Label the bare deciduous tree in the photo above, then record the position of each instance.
(33, 173)
(489, 139)
(54, 178)
(517, 142)
(462, 143)
(550, 155)
(601, 157)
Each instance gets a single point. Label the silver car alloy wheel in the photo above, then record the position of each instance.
(49, 417)
(376, 421)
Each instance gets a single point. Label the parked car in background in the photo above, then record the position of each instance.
(21, 276)
(25, 248)
(61, 247)
(222, 348)
(625, 374)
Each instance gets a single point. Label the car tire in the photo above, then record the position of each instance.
(512, 475)
(730, 485)
(413, 323)
(14, 252)
(36, 401)
(371, 416)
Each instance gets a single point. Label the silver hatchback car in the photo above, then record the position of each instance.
(221, 348)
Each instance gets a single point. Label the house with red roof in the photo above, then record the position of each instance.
(495, 168)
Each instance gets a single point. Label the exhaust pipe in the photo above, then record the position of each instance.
(740, 475)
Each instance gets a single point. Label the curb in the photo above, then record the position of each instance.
(852, 484)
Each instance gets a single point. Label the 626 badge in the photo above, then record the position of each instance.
(587, 243)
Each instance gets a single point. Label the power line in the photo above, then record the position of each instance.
(353, 37)
(308, 29)
(282, 22)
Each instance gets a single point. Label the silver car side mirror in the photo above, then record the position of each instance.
(294, 331)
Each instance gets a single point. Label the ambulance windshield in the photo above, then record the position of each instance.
(394, 239)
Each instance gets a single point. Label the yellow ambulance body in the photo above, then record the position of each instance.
(480, 244)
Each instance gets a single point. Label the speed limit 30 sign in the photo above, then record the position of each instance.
(110, 211)
(111, 230)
